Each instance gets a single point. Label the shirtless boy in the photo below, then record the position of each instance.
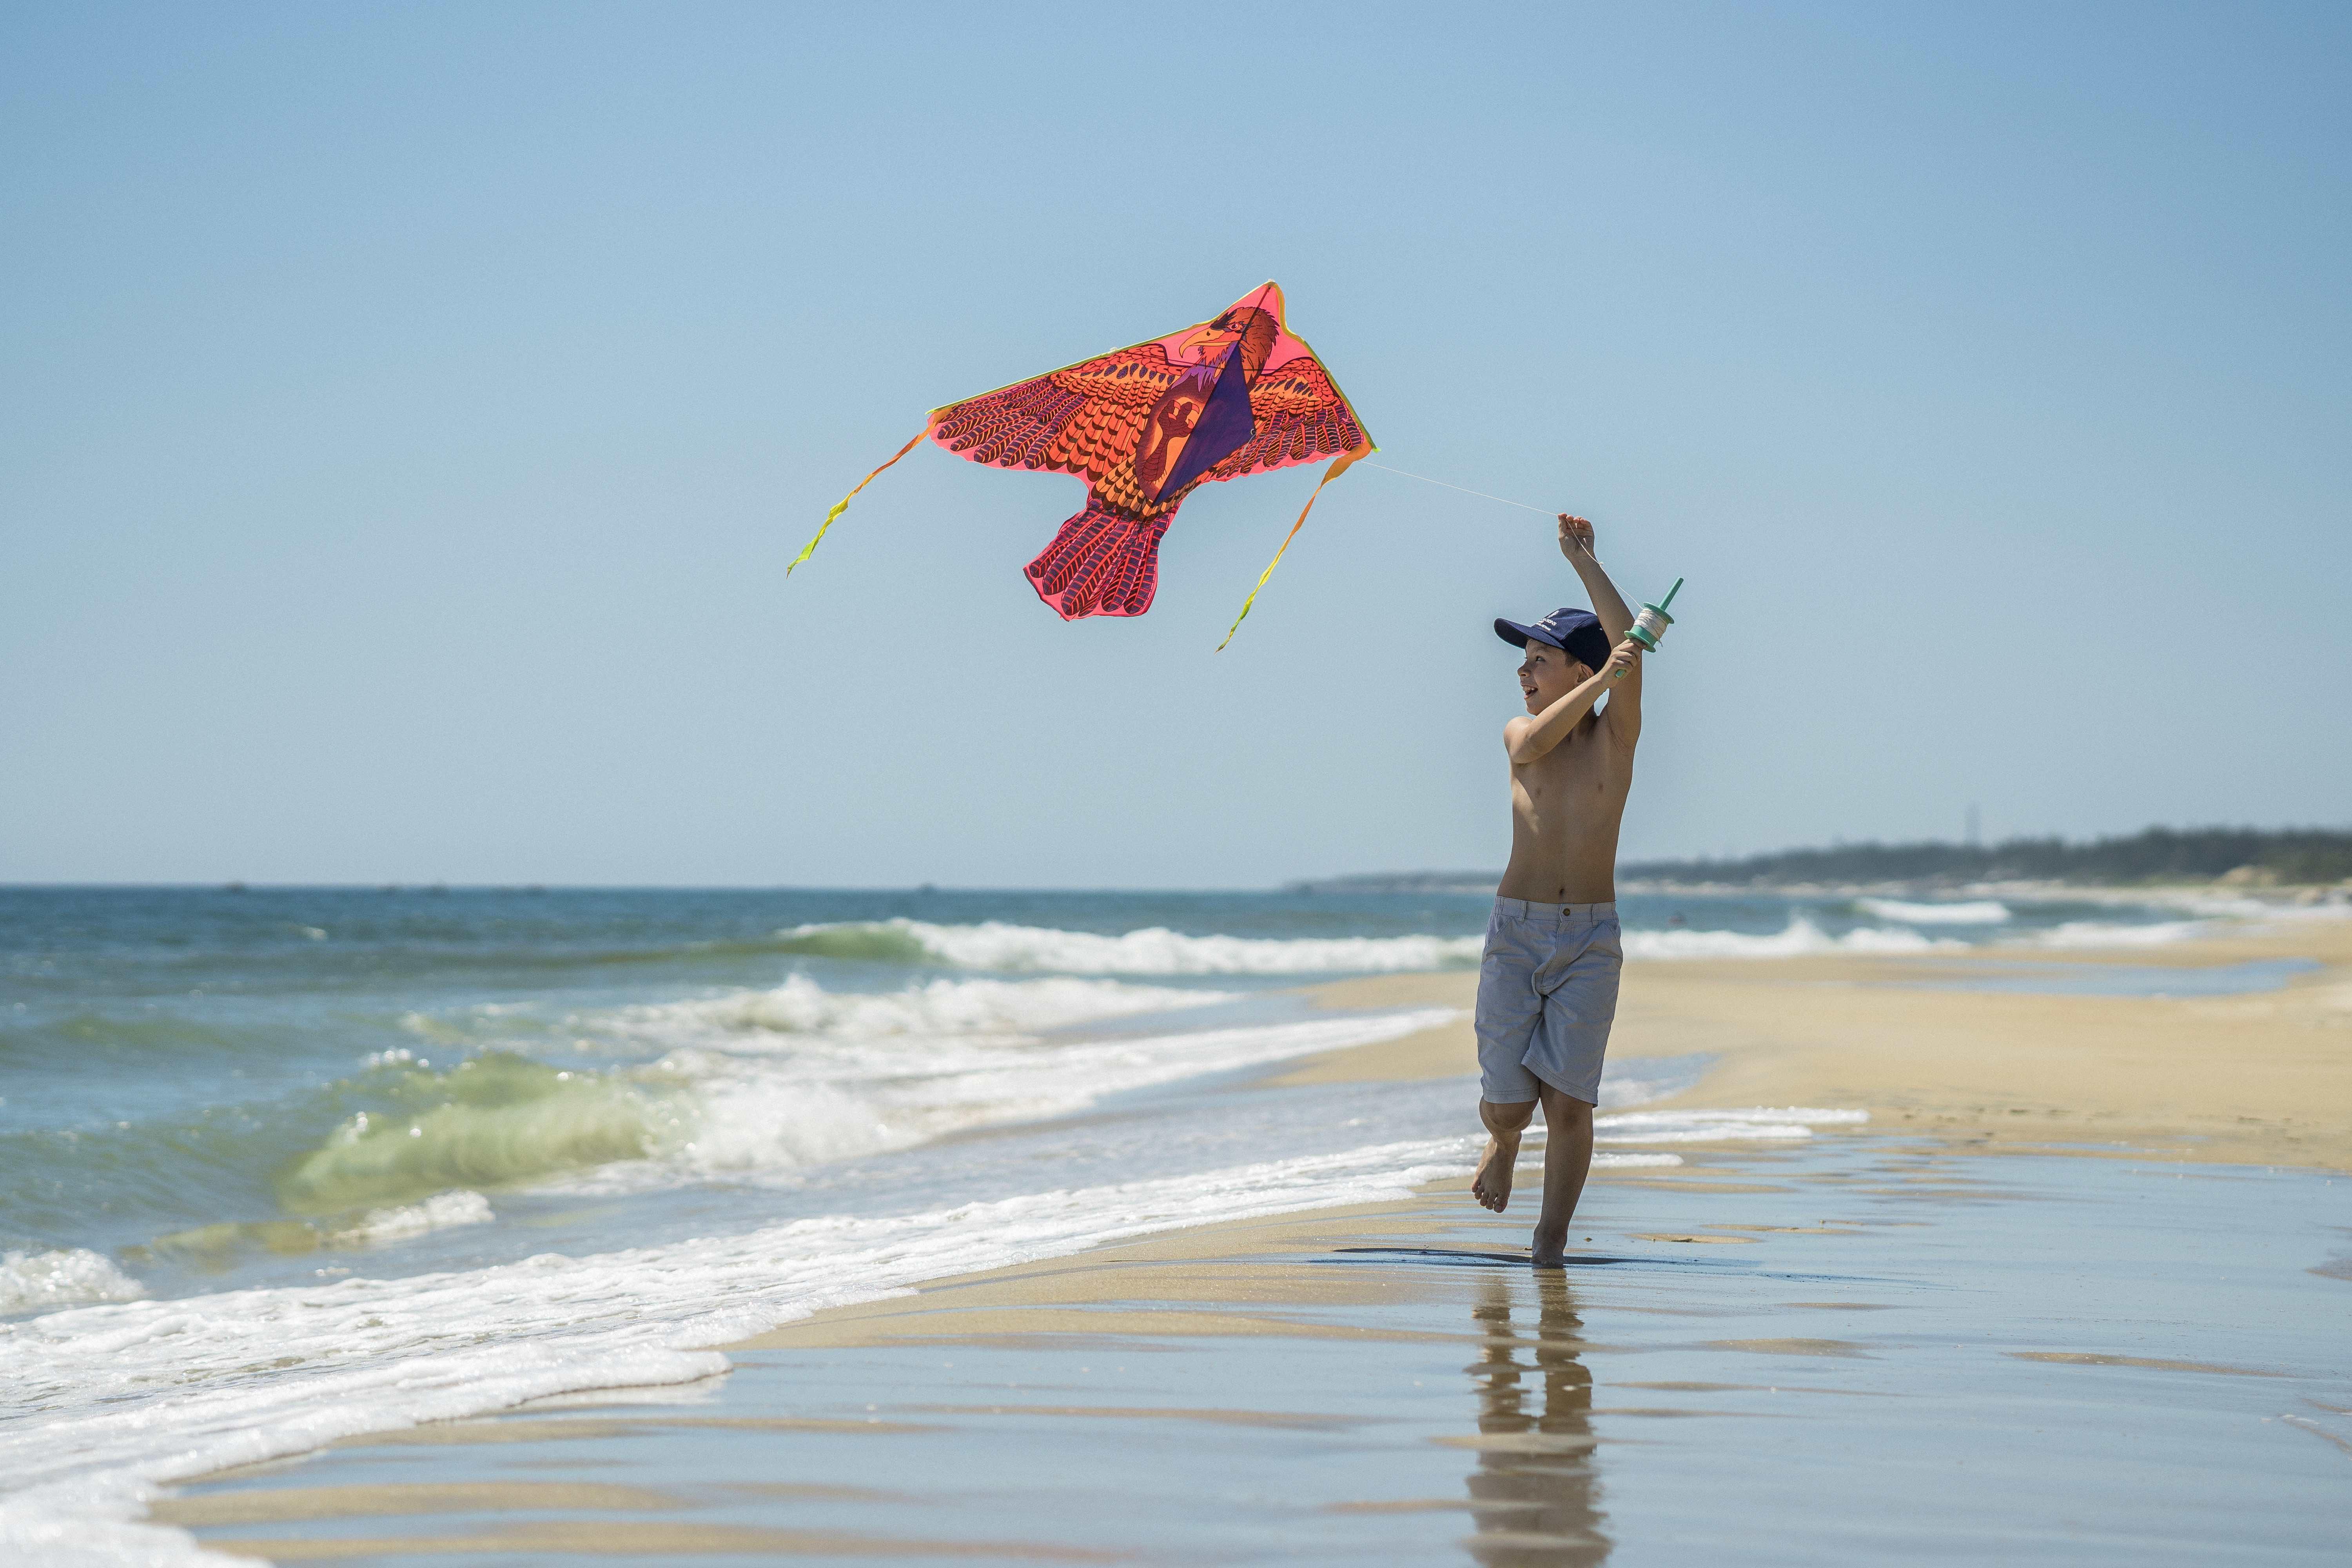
(1548, 984)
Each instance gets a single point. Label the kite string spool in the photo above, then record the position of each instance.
(1652, 623)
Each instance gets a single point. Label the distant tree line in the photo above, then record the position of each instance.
(2157, 854)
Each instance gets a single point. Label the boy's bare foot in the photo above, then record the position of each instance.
(1548, 1251)
(1492, 1185)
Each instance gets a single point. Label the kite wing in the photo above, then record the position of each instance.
(1083, 419)
(1302, 416)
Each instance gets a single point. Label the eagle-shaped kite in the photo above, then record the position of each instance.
(1231, 397)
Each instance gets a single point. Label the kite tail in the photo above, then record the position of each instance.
(1100, 564)
(843, 504)
(1339, 465)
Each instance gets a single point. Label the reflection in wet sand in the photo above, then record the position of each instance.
(1535, 1493)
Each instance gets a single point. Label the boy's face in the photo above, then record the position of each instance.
(1547, 674)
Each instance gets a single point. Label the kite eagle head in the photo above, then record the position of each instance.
(1256, 330)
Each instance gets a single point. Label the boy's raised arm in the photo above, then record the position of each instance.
(1576, 543)
(1624, 711)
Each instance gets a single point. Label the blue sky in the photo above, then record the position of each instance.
(412, 410)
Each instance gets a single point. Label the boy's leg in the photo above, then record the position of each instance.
(1568, 1157)
(1503, 1123)
(1510, 1013)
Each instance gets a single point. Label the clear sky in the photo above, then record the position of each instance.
(410, 410)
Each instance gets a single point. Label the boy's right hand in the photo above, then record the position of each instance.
(1623, 660)
(1575, 536)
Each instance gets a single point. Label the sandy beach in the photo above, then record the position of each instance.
(1867, 1343)
(2260, 1079)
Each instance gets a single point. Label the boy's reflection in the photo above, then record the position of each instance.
(1535, 1493)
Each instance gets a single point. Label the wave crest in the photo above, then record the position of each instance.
(1798, 938)
(2104, 933)
(500, 1119)
(801, 1006)
(1977, 912)
(996, 945)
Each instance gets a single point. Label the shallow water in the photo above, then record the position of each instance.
(2132, 979)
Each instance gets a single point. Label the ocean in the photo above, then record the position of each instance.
(283, 1165)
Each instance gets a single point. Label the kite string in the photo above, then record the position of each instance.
(1481, 494)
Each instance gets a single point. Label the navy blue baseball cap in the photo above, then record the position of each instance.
(1576, 632)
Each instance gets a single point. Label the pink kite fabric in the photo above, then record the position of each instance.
(1144, 425)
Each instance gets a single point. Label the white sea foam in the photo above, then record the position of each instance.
(442, 1210)
(1798, 938)
(763, 1085)
(1716, 1126)
(801, 1006)
(995, 945)
(138, 1395)
(35, 1281)
(1978, 913)
(765, 1118)
(2109, 934)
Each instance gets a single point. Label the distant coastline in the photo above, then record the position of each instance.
(2233, 857)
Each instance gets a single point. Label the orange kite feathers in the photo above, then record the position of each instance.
(1081, 419)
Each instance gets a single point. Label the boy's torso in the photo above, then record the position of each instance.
(1565, 810)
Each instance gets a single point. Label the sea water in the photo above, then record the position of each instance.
(283, 1165)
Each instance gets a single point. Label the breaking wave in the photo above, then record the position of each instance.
(2108, 933)
(212, 1248)
(733, 1097)
(995, 945)
(1979, 912)
(496, 1119)
(37, 1281)
(1800, 938)
(801, 1006)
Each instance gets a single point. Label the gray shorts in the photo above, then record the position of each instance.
(1547, 995)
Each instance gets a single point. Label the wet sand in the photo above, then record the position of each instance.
(1872, 1344)
(1860, 1349)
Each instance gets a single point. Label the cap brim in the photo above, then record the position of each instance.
(1518, 636)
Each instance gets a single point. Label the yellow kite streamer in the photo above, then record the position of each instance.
(1339, 465)
(843, 504)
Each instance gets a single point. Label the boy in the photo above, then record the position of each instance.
(1548, 984)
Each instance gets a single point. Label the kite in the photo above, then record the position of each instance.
(1228, 398)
